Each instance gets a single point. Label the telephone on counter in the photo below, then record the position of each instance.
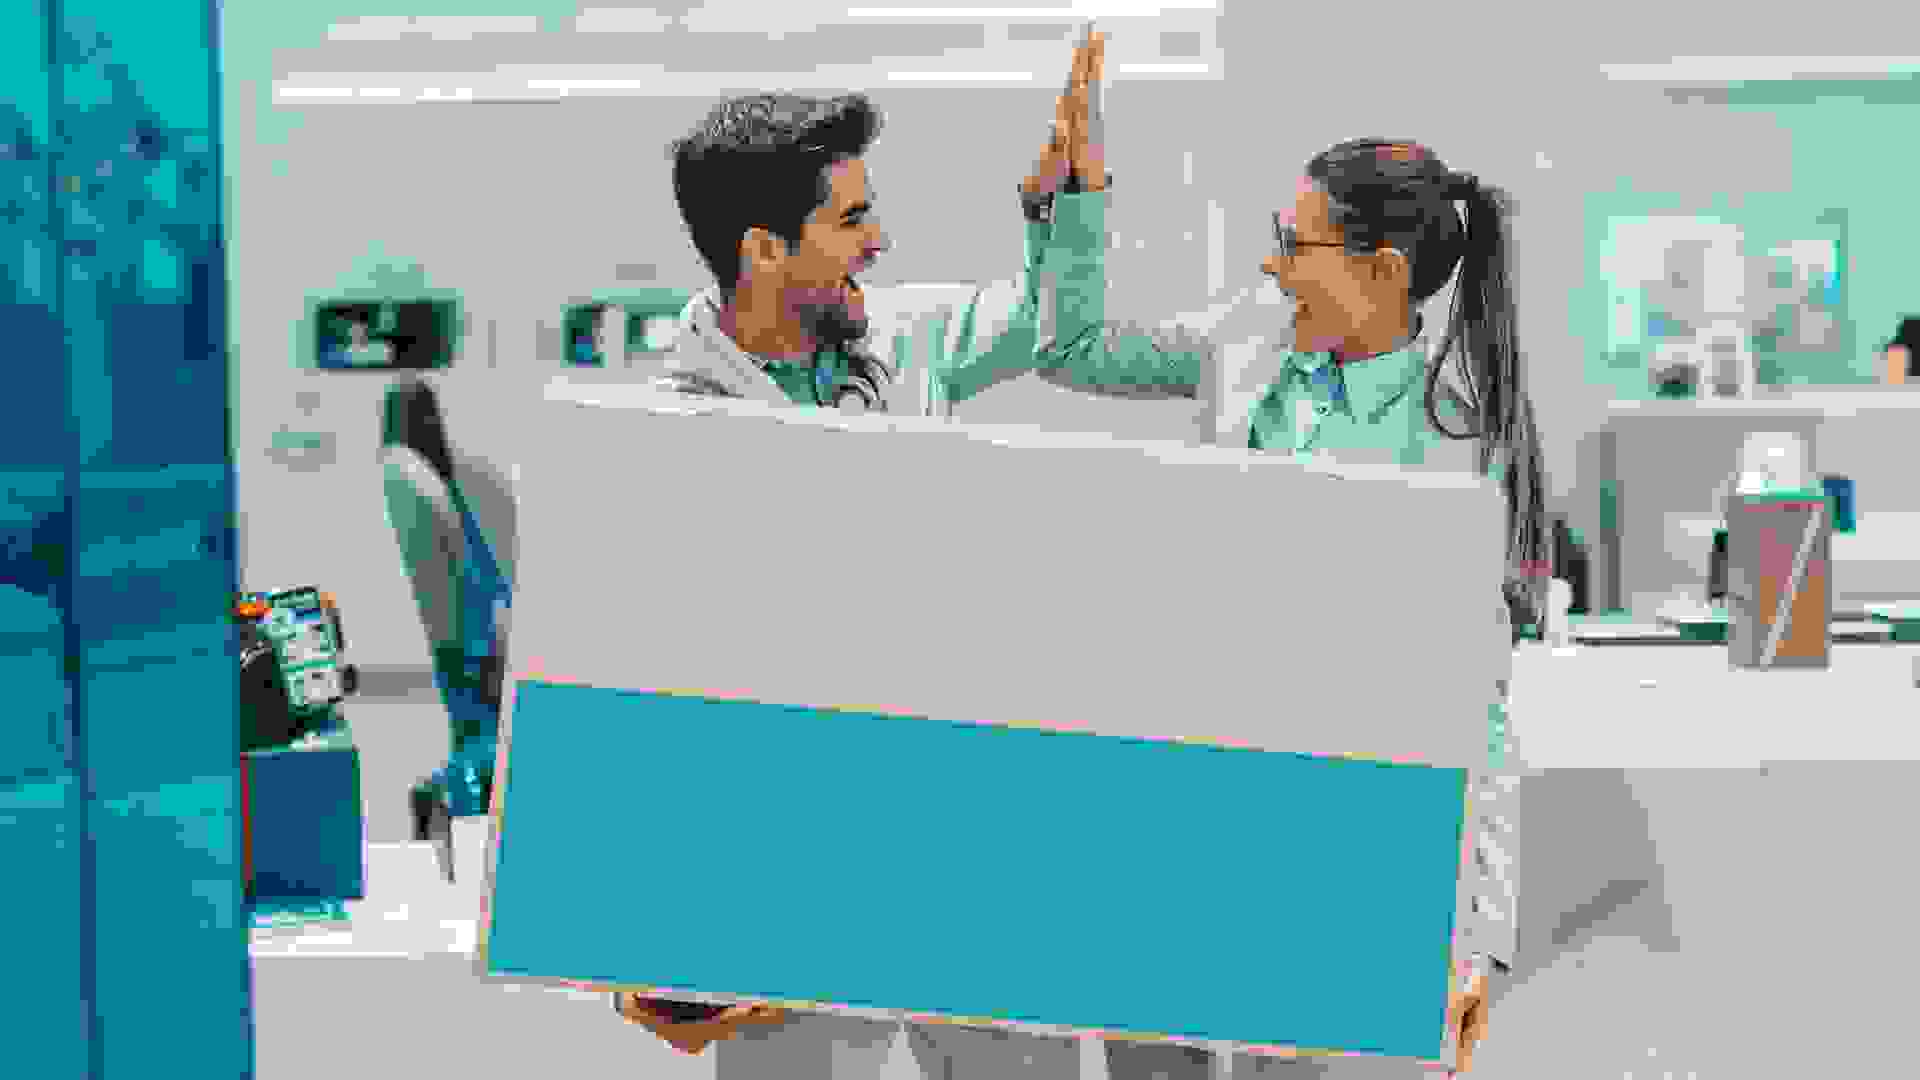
(293, 671)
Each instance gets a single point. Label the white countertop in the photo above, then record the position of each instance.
(1682, 706)
(1645, 889)
(409, 910)
(1718, 860)
(1801, 400)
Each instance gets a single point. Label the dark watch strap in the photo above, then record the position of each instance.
(1038, 209)
(1074, 185)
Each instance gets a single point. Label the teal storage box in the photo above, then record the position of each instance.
(305, 832)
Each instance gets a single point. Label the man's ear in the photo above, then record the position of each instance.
(760, 249)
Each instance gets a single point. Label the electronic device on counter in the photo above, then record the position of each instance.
(292, 664)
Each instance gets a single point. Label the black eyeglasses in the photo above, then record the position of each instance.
(1289, 238)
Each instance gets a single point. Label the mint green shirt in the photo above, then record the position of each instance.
(1365, 410)
(1370, 410)
(794, 380)
(806, 383)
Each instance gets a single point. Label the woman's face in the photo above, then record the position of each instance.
(1343, 299)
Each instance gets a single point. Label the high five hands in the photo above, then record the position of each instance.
(1073, 148)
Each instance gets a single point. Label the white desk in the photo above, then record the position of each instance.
(1681, 706)
(1644, 890)
(409, 910)
(1645, 893)
(1742, 813)
(393, 993)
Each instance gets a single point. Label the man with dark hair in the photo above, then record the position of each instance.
(776, 196)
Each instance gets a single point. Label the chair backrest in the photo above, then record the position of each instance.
(433, 546)
(410, 417)
(487, 490)
(463, 500)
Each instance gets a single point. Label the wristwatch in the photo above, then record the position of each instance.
(1038, 208)
(1075, 186)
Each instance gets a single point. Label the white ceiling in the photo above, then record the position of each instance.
(556, 50)
(725, 46)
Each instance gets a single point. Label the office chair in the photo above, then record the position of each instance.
(437, 498)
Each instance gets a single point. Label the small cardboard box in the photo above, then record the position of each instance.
(1779, 580)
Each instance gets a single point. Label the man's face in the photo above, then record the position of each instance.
(840, 240)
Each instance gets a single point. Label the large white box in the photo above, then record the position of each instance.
(1007, 699)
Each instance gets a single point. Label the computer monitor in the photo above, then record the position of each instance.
(620, 331)
(386, 335)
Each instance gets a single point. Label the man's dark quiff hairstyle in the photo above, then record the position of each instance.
(1399, 194)
(762, 161)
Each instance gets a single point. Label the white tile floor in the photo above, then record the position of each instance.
(1678, 924)
(1609, 1008)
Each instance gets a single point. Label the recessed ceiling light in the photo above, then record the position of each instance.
(960, 76)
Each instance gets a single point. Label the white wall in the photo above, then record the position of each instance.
(521, 208)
